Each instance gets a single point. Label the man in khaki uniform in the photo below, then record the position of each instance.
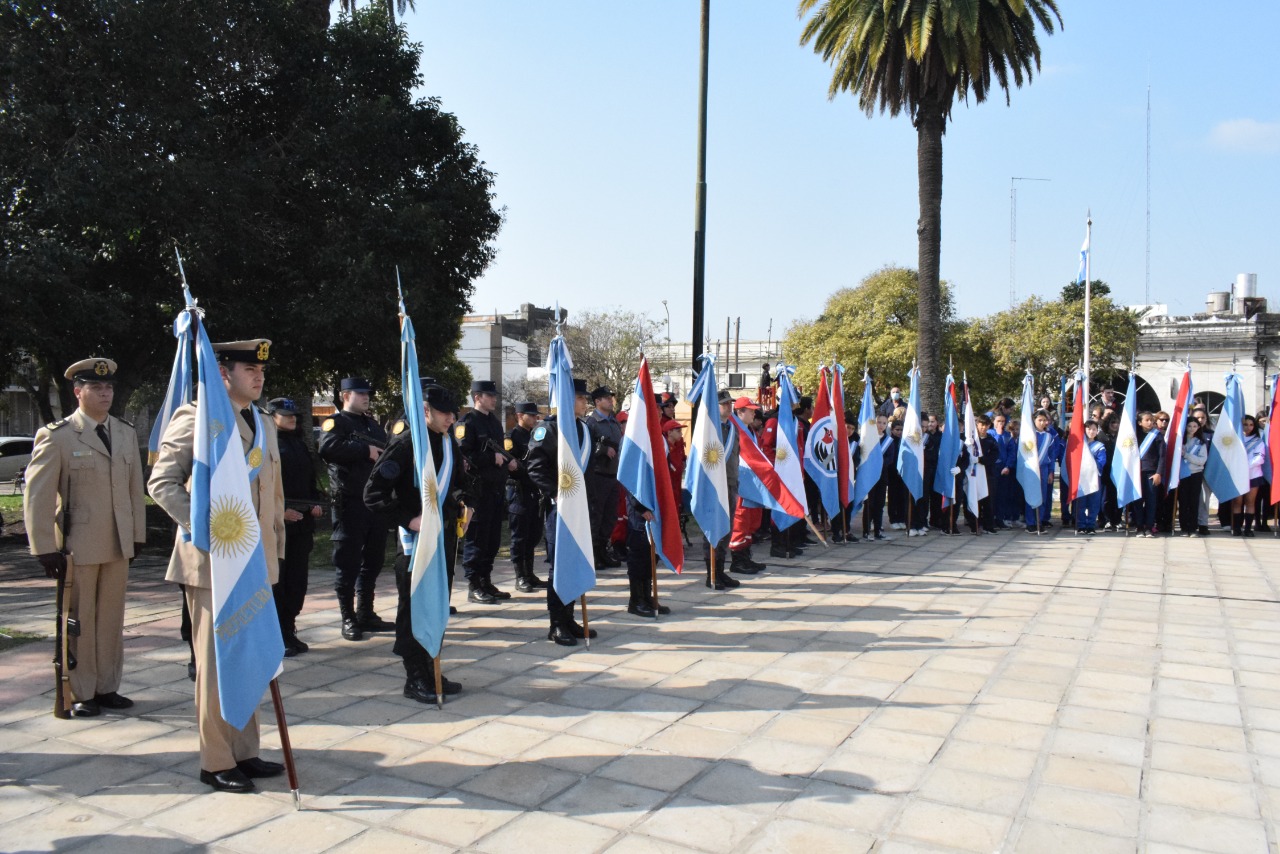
(228, 756)
(84, 497)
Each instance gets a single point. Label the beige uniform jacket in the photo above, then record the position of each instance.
(70, 470)
(170, 488)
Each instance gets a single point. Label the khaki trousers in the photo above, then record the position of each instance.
(97, 600)
(221, 745)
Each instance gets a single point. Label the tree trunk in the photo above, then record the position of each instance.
(931, 122)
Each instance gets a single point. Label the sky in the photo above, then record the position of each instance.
(587, 114)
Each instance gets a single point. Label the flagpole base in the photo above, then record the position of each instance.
(297, 800)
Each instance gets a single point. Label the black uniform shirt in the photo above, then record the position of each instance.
(480, 437)
(391, 491)
(344, 444)
(544, 469)
(297, 468)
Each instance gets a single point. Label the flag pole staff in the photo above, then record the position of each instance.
(653, 570)
(282, 726)
(1088, 299)
(586, 625)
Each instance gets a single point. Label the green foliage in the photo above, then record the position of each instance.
(1074, 291)
(291, 164)
(605, 346)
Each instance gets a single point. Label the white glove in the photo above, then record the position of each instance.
(955, 470)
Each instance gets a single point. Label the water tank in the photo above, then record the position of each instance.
(1218, 302)
(1246, 285)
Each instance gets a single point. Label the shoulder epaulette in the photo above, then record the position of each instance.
(128, 424)
(54, 425)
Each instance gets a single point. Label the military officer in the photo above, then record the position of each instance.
(351, 442)
(523, 514)
(602, 480)
(479, 435)
(302, 507)
(545, 473)
(228, 756)
(84, 498)
(391, 491)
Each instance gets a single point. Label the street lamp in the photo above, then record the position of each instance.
(668, 365)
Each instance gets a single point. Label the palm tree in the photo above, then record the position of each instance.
(918, 56)
(391, 7)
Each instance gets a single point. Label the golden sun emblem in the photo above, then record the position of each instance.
(713, 454)
(1228, 441)
(569, 482)
(231, 527)
(255, 458)
(215, 428)
(433, 494)
(915, 437)
(1129, 441)
(1029, 445)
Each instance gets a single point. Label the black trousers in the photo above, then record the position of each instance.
(602, 498)
(559, 613)
(526, 531)
(359, 547)
(873, 510)
(290, 591)
(484, 534)
(415, 657)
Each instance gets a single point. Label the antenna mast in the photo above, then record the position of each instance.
(1147, 292)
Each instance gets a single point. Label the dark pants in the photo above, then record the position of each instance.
(897, 496)
(359, 547)
(483, 536)
(1145, 510)
(291, 589)
(524, 519)
(415, 657)
(602, 498)
(1188, 498)
(873, 510)
(559, 613)
(1111, 514)
(1008, 502)
(639, 567)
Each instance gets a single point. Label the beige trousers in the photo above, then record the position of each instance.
(97, 600)
(221, 745)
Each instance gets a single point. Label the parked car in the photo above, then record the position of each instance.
(15, 453)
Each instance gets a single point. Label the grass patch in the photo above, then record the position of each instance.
(11, 639)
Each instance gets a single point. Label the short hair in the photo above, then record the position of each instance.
(1090, 423)
(1162, 414)
(982, 419)
(1042, 412)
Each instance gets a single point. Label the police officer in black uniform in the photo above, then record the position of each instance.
(351, 442)
(524, 516)
(479, 435)
(544, 471)
(602, 482)
(392, 493)
(302, 506)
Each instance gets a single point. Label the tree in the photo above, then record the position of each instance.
(919, 56)
(1048, 338)
(294, 167)
(605, 346)
(1074, 291)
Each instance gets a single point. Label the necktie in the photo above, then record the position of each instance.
(247, 415)
(105, 437)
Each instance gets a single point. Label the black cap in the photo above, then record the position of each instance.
(439, 398)
(483, 387)
(282, 406)
(528, 407)
(724, 396)
(602, 391)
(580, 388)
(355, 384)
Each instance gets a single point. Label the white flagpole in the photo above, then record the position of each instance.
(1088, 296)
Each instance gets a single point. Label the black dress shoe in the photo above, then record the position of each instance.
(561, 637)
(257, 767)
(289, 650)
(495, 592)
(231, 780)
(728, 580)
(351, 630)
(298, 645)
(480, 596)
(424, 691)
(191, 670)
(640, 609)
(526, 585)
(452, 611)
(85, 709)
(112, 700)
(577, 632)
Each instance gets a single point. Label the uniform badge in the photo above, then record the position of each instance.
(459, 432)
(327, 425)
(397, 428)
(263, 349)
(508, 445)
(100, 368)
(255, 458)
(539, 433)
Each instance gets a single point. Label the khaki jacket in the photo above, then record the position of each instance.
(70, 470)
(170, 487)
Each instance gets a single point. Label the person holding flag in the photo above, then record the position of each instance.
(844, 462)
(1126, 464)
(559, 457)
(951, 454)
(706, 479)
(871, 444)
(230, 518)
(1082, 463)
(1035, 460)
(788, 462)
(759, 487)
(1227, 469)
(1273, 443)
(1194, 455)
(653, 514)
(823, 450)
(911, 452)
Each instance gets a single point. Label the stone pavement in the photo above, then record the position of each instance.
(996, 693)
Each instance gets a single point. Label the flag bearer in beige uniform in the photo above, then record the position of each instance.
(84, 497)
(228, 756)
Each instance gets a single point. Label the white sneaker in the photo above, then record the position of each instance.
(913, 533)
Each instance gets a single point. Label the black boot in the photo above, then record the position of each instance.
(367, 619)
(639, 602)
(478, 592)
(420, 684)
(524, 575)
(778, 548)
(499, 595)
(741, 563)
(532, 577)
(1248, 524)
(350, 625)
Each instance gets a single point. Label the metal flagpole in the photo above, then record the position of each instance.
(653, 571)
(586, 626)
(1088, 298)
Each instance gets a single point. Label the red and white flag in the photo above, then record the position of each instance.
(1177, 431)
(1081, 467)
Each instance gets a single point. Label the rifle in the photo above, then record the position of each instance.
(66, 627)
(304, 505)
(365, 437)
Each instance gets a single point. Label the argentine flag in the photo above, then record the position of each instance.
(575, 567)
(179, 391)
(1227, 469)
(786, 459)
(944, 482)
(705, 479)
(1028, 470)
(1126, 464)
(429, 562)
(870, 452)
(1081, 273)
(247, 643)
(911, 451)
(975, 485)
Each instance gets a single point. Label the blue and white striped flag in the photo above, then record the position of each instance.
(1126, 464)
(1227, 469)
(1081, 273)
(944, 482)
(179, 391)
(870, 452)
(575, 568)
(247, 643)
(786, 458)
(705, 479)
(911, 450)
(429, 561)
(1028, 470)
